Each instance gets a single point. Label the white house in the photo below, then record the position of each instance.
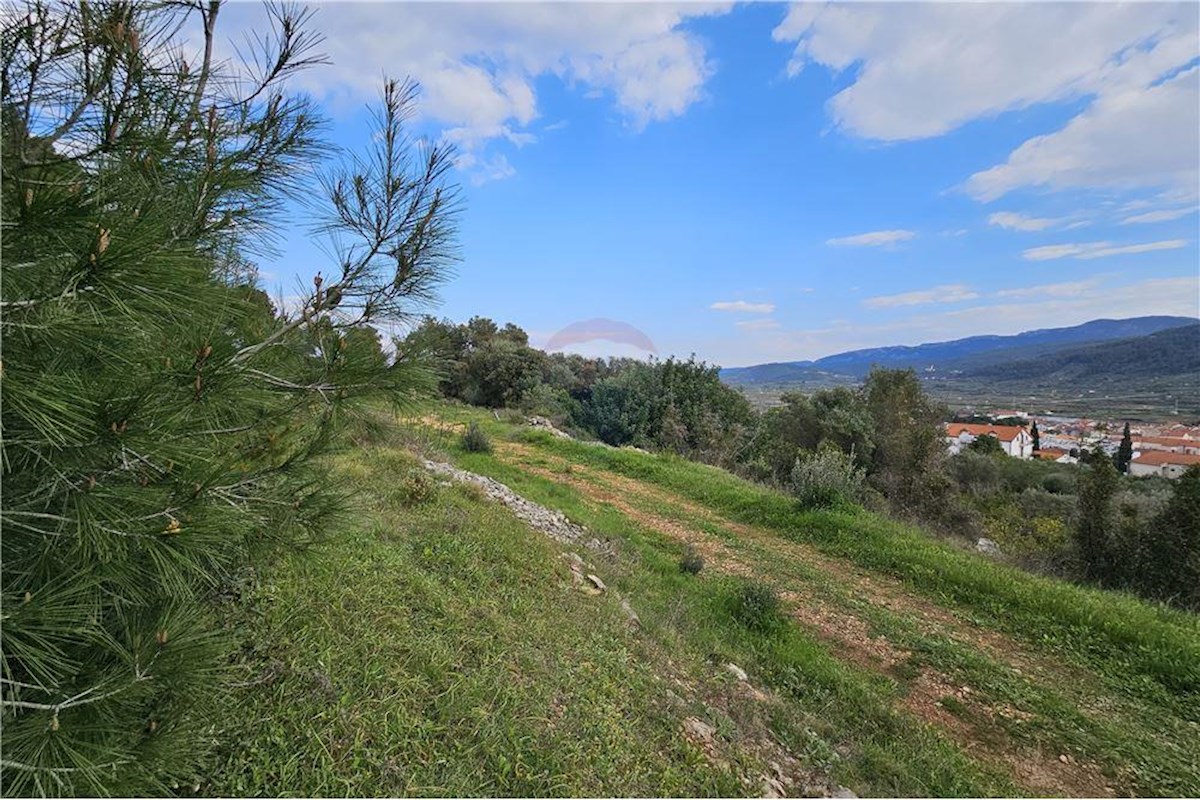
(1014, 440)
(1157, 462)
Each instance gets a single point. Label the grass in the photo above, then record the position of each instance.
(1126, 635)
(1126, 698)
(434, 650)
(436, 646)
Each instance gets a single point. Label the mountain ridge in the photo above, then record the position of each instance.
(957, 355)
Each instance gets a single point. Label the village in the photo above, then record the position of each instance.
(1165, 450)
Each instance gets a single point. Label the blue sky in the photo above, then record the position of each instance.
(768, 182)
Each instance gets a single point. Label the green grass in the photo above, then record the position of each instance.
(1124, 636)
(435, 646)
(436, 650)
(843, 717)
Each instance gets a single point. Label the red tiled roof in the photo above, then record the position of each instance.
(1167, 441)
(1050, 453)
(1157, 458)
(1005, 433)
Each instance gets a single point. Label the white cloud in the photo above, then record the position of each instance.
(1020, 222)
(1067, 289)
(1128, 139)
(923, 70)
(758, 325)
(872, 239)
(478, 64)
(1165, 215)
(1090, 250)
(951, 293)
(743, 307)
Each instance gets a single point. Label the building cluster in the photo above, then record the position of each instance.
(1166, 450)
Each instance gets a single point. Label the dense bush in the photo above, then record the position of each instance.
(474, 440)
(826, 478)
(802, 423)
(976, 474)
(416, 487)
(692, 562)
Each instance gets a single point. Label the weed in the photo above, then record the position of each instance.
(692, 562)
(416, 487)
(756, 605)
(475, 440)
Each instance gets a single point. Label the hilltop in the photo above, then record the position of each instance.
(440, 643)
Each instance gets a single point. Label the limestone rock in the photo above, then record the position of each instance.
(987, 547)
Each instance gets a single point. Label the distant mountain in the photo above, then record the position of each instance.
(957, 357)
(1170, 352)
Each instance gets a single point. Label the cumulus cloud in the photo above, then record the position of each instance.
(1166, 215)
(1090, 250)
(924, 70)
(478, 65)
(743, 307)
(1128, 139)
(872, 239)
(951, 293)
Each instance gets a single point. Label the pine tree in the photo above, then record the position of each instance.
(1124, 451)
(161, 424)
(1037, 437)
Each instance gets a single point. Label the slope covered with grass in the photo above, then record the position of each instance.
(437, 645)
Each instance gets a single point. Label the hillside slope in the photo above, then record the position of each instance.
(960, 354)
(439, 645)
(1175, 351)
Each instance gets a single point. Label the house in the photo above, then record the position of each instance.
(1167, 444)
(1014, 439)
(1055, 454)
(1158, 462)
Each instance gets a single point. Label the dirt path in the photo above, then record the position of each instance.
(930, 694)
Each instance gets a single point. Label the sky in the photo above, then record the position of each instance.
(770, 182)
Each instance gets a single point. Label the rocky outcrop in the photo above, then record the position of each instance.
(541, 423)
(551, 523)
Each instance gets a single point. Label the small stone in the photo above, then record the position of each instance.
(630, 614)
(737, 672)
(599, 584)
(1063, 758)
(987, 547)
(843, 791)
(699, 729)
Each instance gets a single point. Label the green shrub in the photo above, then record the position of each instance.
(416, 487)
(756, 605)
(692, 562)
(475, 440)
(1059, 483)
(826, 478)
